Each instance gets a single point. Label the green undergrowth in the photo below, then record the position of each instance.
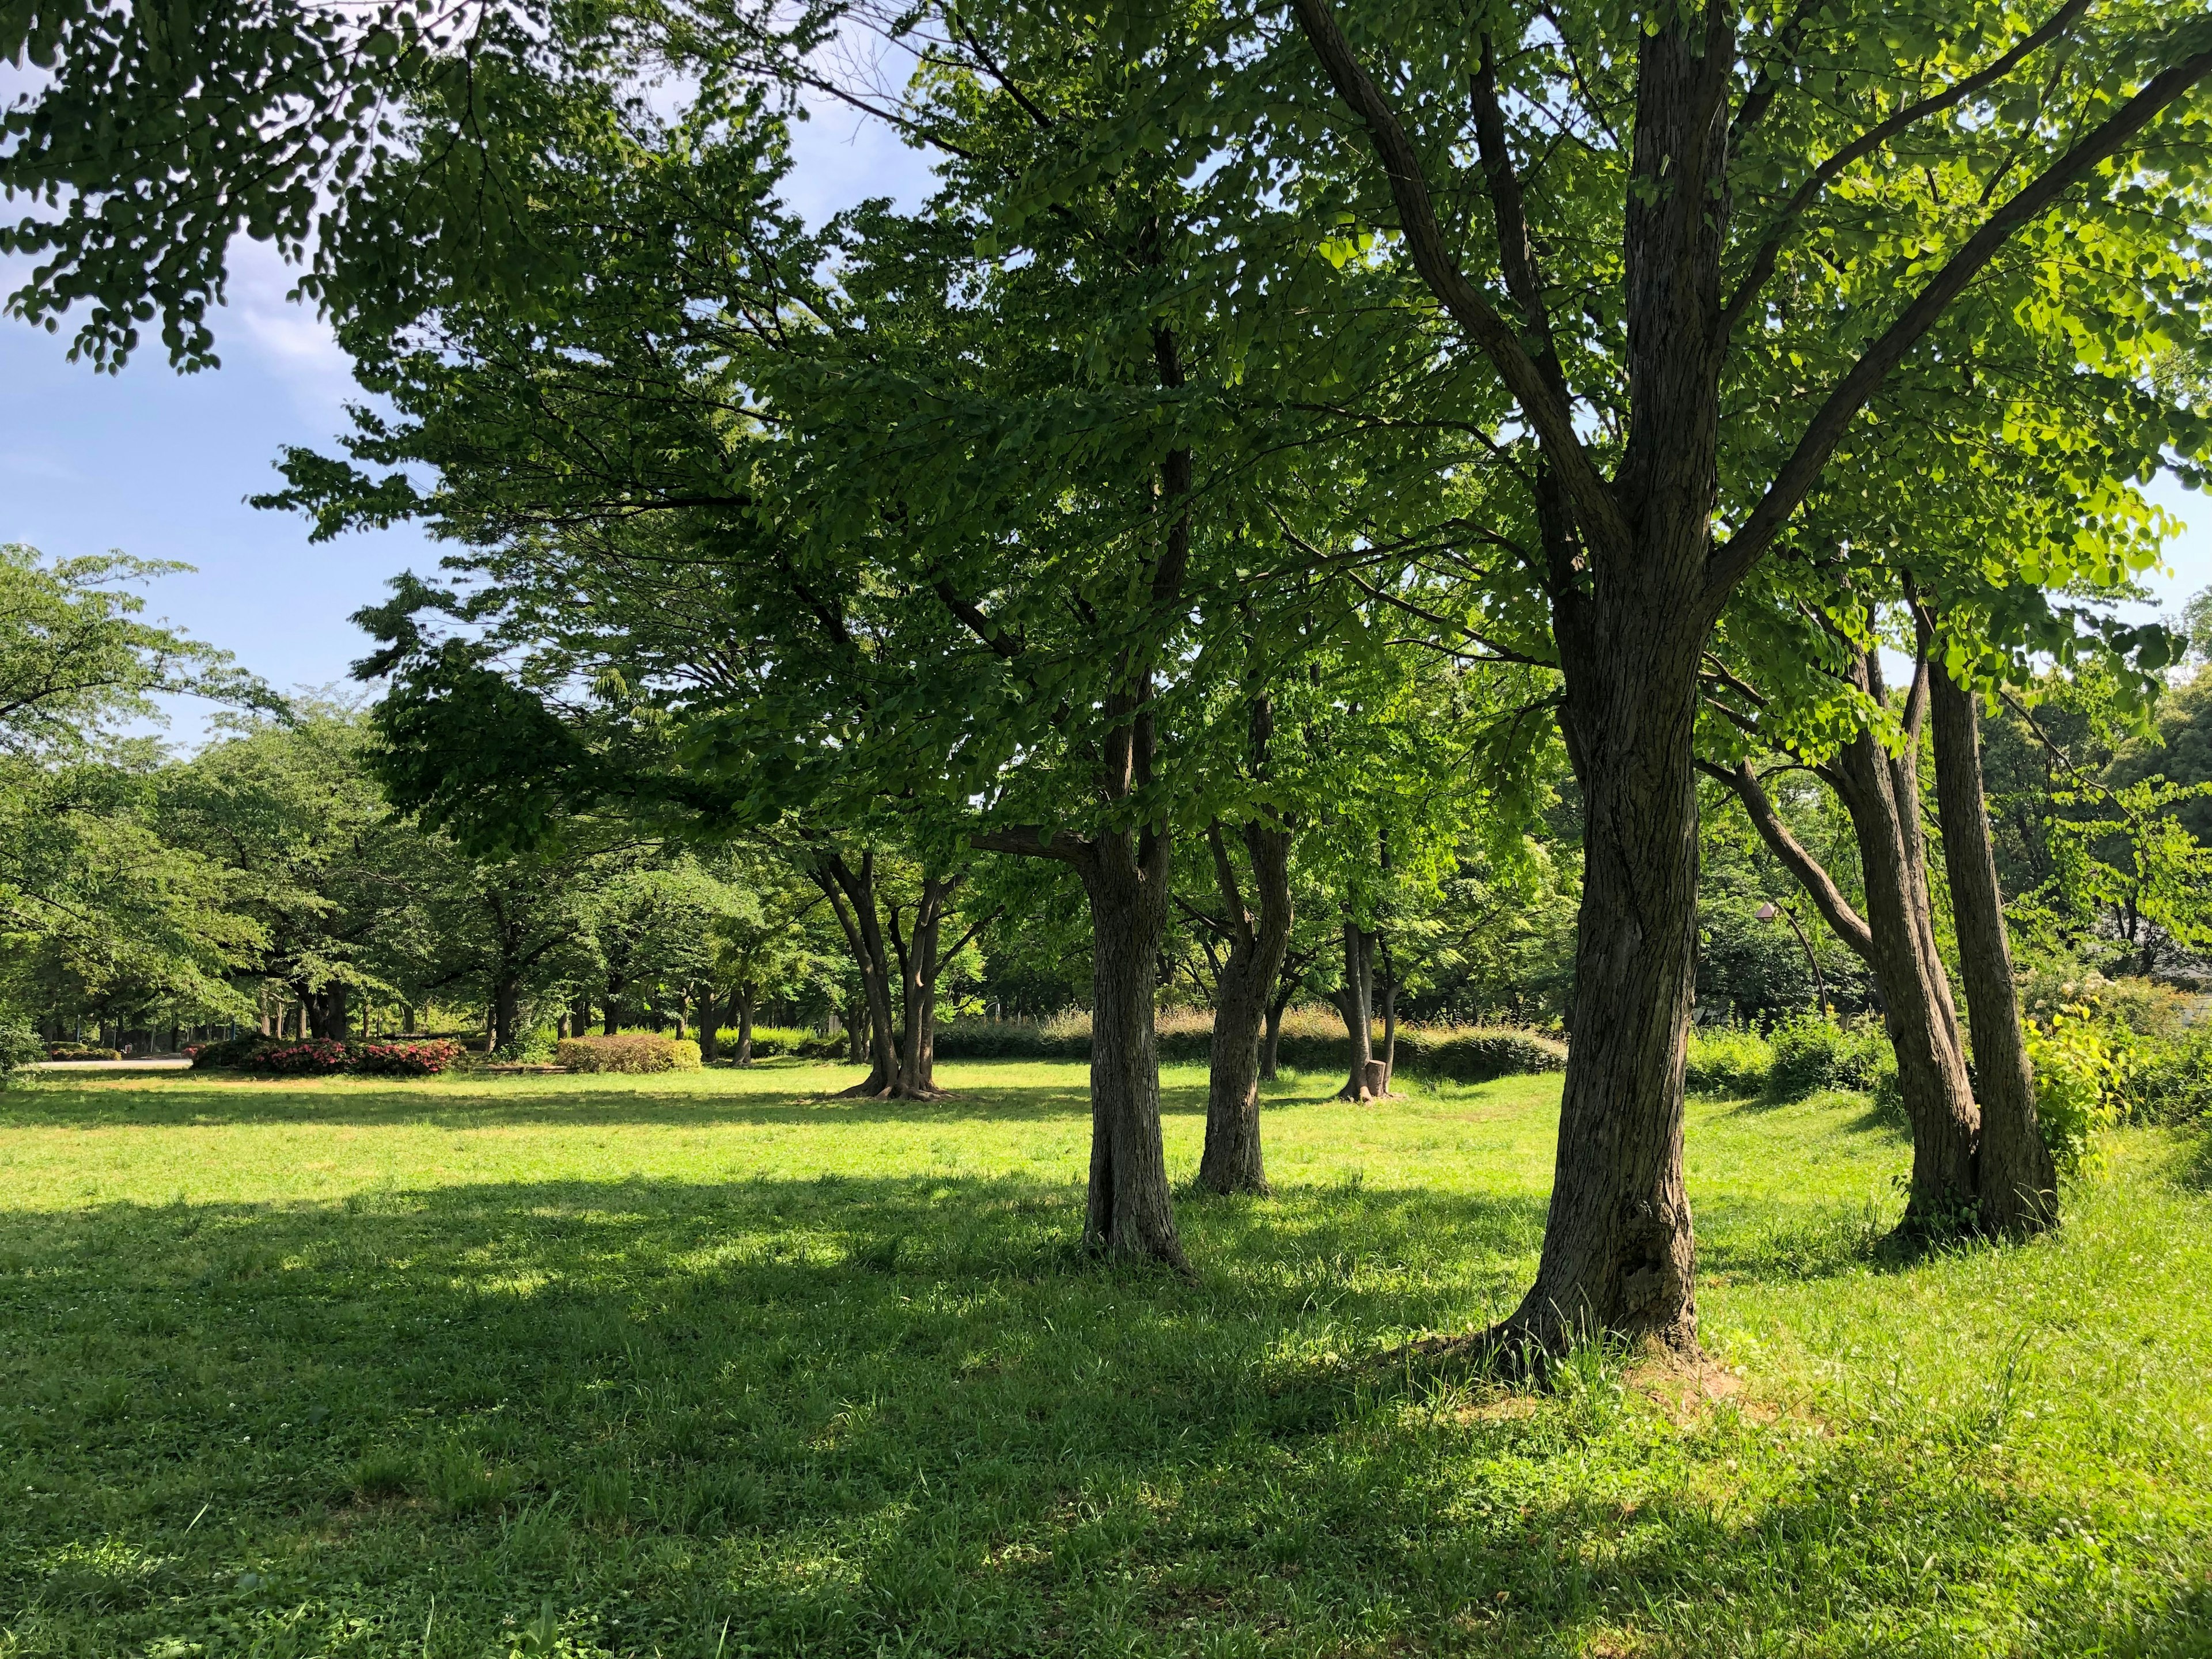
(712, 1364)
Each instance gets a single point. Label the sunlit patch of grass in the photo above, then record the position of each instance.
(719, 1363)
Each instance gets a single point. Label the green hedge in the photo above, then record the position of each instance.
(1463, 1055)
(631, 1052)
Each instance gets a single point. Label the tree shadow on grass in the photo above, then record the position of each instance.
(171, 1100)
(845, 1417)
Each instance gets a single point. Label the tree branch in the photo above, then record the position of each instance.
(1818, 886)
(1732, 559)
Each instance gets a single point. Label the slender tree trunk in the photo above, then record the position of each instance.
(852, 895)
(741, 1006)
(1130, 1212)
(1271, 1041)
(2015, 1178)
(1882, 793)
(1897, 948)
(1232, 1160)
(1356, 1002)
(856, 1033)
(1389, 1016)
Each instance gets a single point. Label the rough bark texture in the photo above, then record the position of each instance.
(2015, 1179)
(1232, 1161)
(919, 961)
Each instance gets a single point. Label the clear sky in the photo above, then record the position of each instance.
(159, 464)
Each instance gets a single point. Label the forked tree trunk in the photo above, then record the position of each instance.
(1232, 1161)
(1356, 1002)
(1129, 1212)
(919, 963)
(1882, 793)
(1897, 941)
(2015, 1178)
(851, 894)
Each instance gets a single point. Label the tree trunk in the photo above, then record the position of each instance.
(613, 1023)
(1389, 1016)
(1618, 1252)
(1356, 1002)
(920, 961)
(741, 1004)
(1882, 793)
(1270, 1042)
(506, 1012)
(2015, 1178)
(1129, 1212)
(852, 895)
(856, 1029)
(1232, 1160)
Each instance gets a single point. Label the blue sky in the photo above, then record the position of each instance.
(159, 464)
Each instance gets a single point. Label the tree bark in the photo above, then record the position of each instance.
(1882, 793)
(506, 1012)
(1897, 941)
(1232, 1161)
(2015, 1179)
(1356, 1002)
(741, 1011)
(852, 895)
(920, 961)
(1271, 1041)
(1129, 1212)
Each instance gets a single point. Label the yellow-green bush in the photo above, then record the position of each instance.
(1727, 1060)
(632, 1051)
(2081, 1067)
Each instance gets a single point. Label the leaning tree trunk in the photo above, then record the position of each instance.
(1356, 1002)
(852, 895)
(1129, 1213)
(1882, 793)
(1232, 1162)
(2015, 1178)
(1896, 940)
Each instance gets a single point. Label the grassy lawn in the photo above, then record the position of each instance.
(714, 1366)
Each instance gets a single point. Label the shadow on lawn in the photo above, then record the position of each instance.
(159, 1100)
(852, 1416)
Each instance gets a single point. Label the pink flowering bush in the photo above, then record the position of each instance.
(326, 1057)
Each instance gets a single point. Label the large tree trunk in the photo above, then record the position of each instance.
(741, 1013)
(1356, 1002)
(2015, 1179)
(506, 1012)
(1232, 1161)
(1129, 1213)
(1618, 1252)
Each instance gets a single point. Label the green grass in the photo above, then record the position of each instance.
(710, 1364)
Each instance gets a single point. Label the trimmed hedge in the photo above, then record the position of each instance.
(1470, 1054)
(327, 1056)
(634, 1052)
(81, 1051)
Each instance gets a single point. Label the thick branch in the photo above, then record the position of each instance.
(1553, 419)
(1818, 886)
(1802, 471)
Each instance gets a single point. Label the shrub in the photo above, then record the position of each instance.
(423, 1058)
(775, 1042)
(19, 1045)
(326, 1057)
(1311, 1041)
(631, 1052)
(2081, 1070)
(1812, 1052)
(1728, 1060)
(81, 1051)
